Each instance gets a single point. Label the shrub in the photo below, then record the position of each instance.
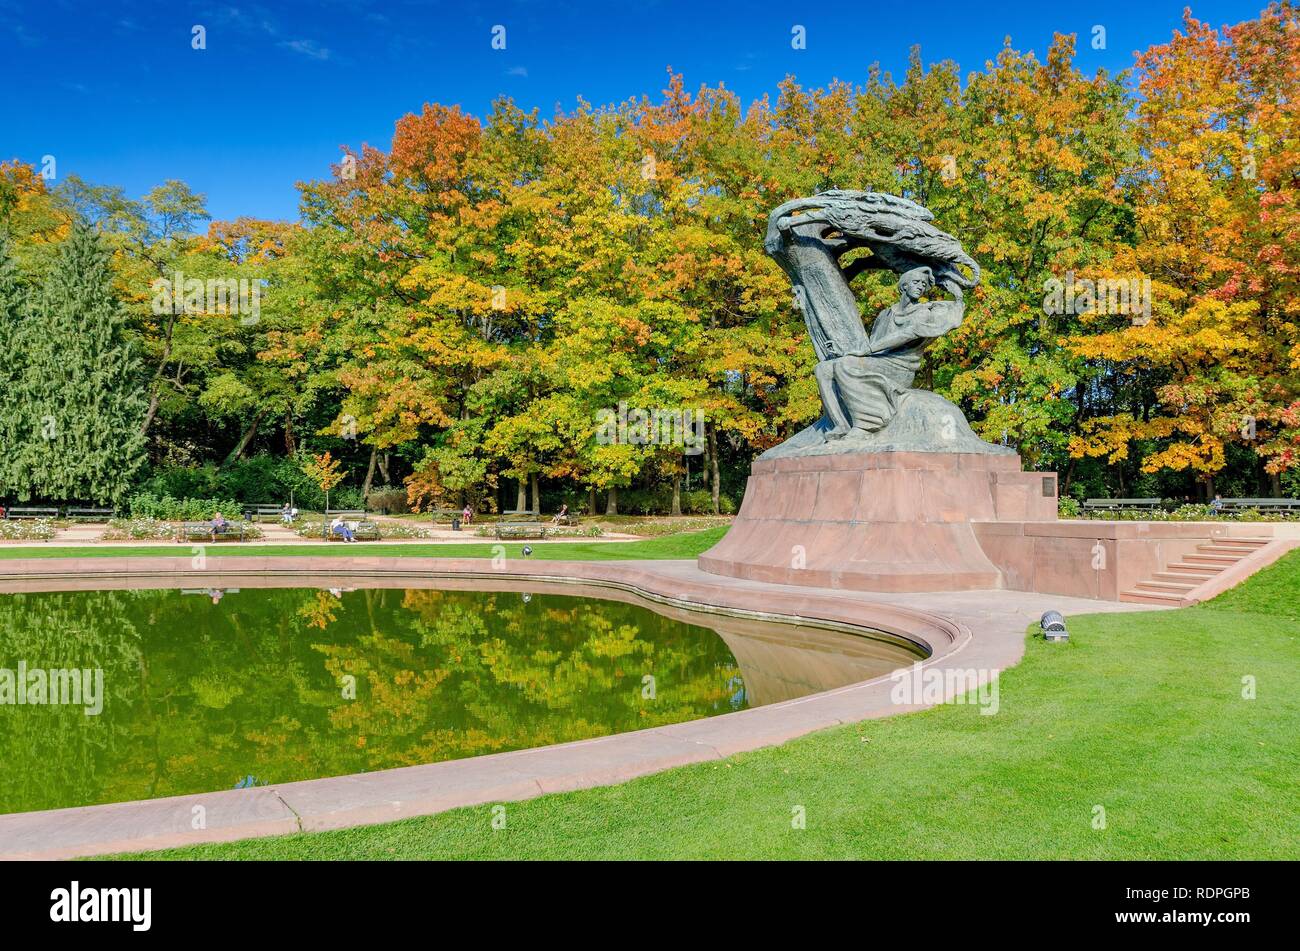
(700, 502)
(390, 501)
(1067, 507)
(146, 505)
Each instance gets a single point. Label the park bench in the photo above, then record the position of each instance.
(363, 530)
(1119, 505)
(1261, 505)
(91, 514)
(203, 531)
(569, 520)
(26, 512)
(513, 529)
(255, 513)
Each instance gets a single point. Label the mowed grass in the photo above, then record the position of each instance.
(1140, 720)
(686, 545)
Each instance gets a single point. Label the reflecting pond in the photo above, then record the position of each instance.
(212, 689)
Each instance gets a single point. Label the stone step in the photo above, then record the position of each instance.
(1194, 576)
(1199, 558)
(1219, 548)
(1209, 570)
(1150, 597)
(1167, 585)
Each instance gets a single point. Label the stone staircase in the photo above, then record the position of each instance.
(1180, 578)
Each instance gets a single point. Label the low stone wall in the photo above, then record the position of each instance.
(1097, 559)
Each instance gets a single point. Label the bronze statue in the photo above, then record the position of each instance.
(865, 378)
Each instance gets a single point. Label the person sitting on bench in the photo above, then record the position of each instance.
(467, 515)
(219, 524)
(340, 527)
(561, 516)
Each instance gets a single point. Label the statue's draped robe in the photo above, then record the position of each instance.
(870, 380)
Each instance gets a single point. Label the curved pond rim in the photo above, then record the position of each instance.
(508, 579)
(401, 792)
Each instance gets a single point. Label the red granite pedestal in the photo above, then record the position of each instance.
(878, 521)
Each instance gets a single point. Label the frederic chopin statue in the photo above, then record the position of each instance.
(864, 376)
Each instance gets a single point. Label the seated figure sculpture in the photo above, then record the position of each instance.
(860, 389)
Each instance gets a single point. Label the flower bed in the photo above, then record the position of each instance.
(27, 530)
(129, 529)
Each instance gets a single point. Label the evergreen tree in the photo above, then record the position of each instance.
(78, 394)
(12, 307)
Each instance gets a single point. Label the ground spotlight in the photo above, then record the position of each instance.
(1053, 625)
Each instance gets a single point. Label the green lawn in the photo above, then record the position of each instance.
(1141, 714)
(686, 545)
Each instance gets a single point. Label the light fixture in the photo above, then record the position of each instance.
(1053, 625)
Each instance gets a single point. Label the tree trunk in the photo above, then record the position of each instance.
(150, 413)
(611, 505)
(383, 469)
(521, 499)
(246, 439)
(370, 472)
(537, 493)
(1275, 484)
(677, 493)
(289, 445)
(591, 500)
(713, 467)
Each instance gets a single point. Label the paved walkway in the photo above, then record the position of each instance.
(976, 632)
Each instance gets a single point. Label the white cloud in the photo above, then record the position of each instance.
(307, 48)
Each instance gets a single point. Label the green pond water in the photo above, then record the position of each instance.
(209, 690)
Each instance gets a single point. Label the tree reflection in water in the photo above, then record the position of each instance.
(202, 693)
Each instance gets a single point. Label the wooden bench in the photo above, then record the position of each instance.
(255, 513)
(520, 530)
(91, 514)
(26, 512)
(1119, 505)
(569, 520)
(1262, 505)
(363, 530)
(203, 531)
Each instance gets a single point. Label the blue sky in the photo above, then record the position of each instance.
(118, 95)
